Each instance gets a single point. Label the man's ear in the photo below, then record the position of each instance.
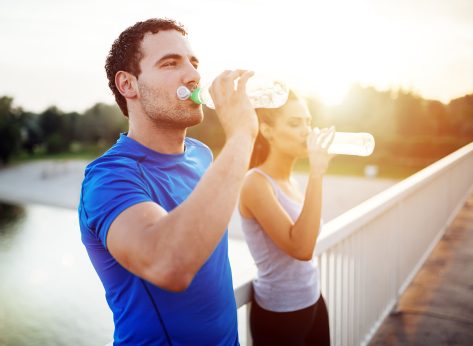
(265, 130)
(126, 84)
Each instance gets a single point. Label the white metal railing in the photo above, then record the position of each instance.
(369, 255)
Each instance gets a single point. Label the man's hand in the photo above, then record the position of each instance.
(235, 112)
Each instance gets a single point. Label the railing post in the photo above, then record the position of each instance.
(249, 339)
(397, 259)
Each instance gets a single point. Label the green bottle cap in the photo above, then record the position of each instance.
(195, 96)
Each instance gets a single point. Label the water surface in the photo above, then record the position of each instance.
(49, 291)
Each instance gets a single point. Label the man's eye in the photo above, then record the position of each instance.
(169, 64)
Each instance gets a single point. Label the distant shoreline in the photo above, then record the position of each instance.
(48, 182)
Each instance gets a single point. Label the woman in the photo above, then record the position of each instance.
(281, 228)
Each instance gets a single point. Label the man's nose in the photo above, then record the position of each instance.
(191, 76)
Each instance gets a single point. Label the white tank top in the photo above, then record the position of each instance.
(283, 283)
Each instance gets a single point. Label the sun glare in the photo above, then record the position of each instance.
(332, 94)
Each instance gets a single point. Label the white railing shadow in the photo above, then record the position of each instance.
(369, 255)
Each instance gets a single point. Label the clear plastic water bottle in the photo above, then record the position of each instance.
(352, 143)
(263, 93)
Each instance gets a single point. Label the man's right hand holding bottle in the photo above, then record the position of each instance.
(234, 110)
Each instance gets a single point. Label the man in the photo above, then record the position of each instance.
(154, 209)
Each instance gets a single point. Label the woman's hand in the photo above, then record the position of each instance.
(318, 143)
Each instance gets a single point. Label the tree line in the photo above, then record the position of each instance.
(408, 129)
(54, 131)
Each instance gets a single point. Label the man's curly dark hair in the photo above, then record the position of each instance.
(125, 54)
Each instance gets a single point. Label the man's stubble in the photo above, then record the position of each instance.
(165, 112)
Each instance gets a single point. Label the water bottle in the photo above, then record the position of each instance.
(352, 143)
(263, 93)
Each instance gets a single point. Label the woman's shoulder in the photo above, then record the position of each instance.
(255, 184)
(255, 177)
(256, 193)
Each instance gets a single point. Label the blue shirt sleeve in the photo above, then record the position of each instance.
(108, 189)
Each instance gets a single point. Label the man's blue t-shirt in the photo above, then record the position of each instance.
(144, 314)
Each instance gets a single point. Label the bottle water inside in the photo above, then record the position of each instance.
(352, 143)
(262, 93)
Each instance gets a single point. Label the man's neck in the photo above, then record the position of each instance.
(162, 140)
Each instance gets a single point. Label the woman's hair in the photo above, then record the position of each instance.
(267, 116)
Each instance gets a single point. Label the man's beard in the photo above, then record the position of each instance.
(166, 112)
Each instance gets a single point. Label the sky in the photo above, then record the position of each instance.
(52, 52)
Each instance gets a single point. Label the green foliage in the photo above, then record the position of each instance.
(33, 135)
(56, 143)
(101, 125)
(10, 129)
(460, 115)
(54, 127)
